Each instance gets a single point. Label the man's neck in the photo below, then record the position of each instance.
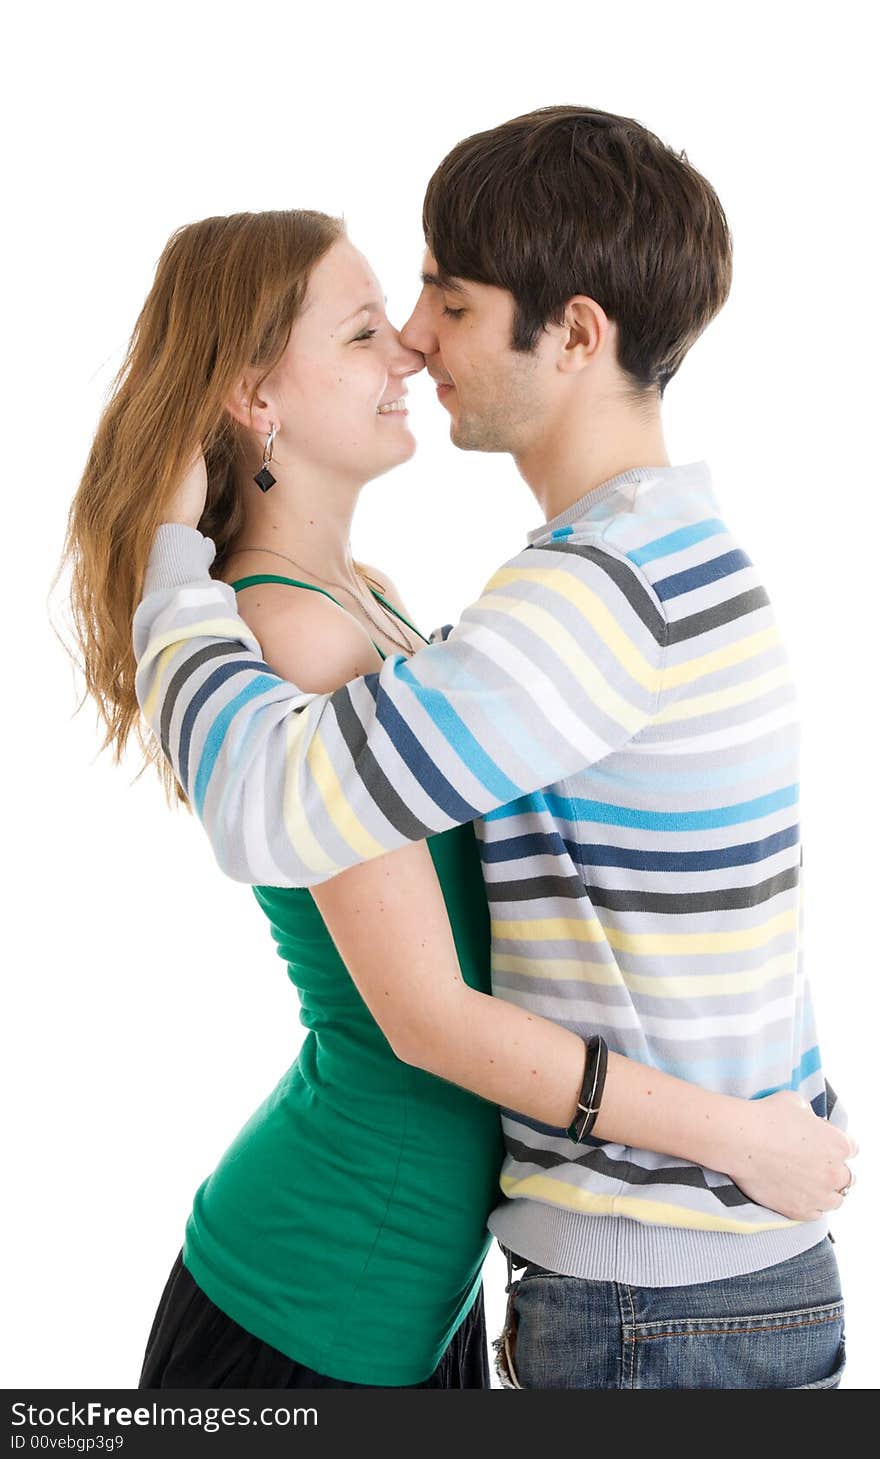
(588, 446)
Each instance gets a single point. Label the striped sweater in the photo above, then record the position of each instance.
(616, 714)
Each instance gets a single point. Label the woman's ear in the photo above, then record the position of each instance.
(247, 405)
(585, 334)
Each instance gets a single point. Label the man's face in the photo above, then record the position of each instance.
(497, 397)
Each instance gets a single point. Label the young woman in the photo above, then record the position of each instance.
(340, 1239)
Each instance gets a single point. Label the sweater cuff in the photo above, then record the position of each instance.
(179, 555)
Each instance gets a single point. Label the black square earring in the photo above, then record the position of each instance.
(264, 477)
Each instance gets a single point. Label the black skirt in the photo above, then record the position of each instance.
(192, 1344)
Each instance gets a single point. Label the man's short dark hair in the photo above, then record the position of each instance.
(567, 201)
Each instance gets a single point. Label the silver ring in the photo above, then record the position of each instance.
(849, 1185)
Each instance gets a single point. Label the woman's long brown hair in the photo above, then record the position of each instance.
(225, 297)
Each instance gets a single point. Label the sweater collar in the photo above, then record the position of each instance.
(646, 486)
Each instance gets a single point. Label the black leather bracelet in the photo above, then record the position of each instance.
(590, 1098)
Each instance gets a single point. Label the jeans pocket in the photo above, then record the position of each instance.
(767, 1350)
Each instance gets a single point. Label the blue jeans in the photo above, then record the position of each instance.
(777, 1328)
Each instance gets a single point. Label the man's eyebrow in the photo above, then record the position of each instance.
(443, 281)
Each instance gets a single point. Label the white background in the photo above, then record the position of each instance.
(147, 1011)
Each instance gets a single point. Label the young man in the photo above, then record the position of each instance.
(617, 710)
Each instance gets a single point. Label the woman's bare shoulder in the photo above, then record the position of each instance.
(305, 637)
(386, 585)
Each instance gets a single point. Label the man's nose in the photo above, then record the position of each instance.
(419, 333)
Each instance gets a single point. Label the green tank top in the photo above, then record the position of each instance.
(346, 1223)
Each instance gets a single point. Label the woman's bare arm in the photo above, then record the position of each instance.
(389, 923)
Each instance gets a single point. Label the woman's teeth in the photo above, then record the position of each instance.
(392, 405)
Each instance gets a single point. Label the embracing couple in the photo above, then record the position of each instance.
(546, 862)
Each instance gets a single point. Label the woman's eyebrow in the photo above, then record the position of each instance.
(371, 307)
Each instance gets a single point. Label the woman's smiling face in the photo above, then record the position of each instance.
(338, 391)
